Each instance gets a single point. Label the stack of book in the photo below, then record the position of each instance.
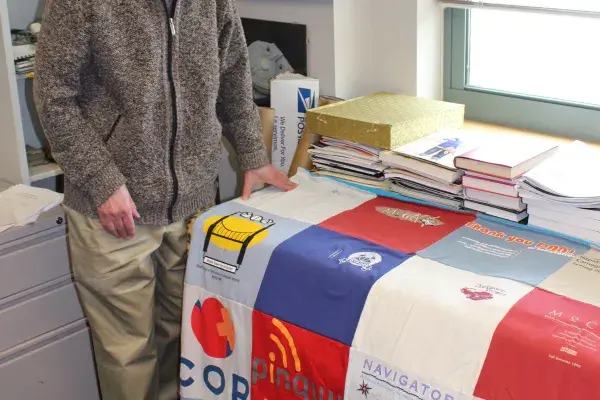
(349, 161)
(23, 52)
(424, 169)
(563, 192)
(492, 173)
(25, 65)
(36, 156)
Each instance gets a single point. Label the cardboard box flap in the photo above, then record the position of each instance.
(267, 122)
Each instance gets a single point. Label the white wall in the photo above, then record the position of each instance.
(430, 49)
(352, 47)
(357, 47)
(388, 45)
(317, 15)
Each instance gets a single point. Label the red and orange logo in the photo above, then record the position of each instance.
(282, 350)
(289, 362)
(213, 327)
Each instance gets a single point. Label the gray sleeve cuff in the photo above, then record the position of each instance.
(104, 184)
(253, 160)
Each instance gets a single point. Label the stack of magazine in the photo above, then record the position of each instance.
(424, 169)
(563, 192)
(349, 161)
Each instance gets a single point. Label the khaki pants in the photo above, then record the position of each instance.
(131, 293)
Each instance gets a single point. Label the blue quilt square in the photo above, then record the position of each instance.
(493, 248)
(320, 280)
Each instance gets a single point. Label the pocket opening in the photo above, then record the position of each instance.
(112, 129)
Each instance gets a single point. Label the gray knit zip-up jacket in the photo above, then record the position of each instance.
(131, 93)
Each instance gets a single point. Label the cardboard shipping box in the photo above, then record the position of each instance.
(385, 120)
(292, 95)
(267, 119)
(302, 158)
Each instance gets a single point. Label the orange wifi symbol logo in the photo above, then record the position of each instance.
(284, 356)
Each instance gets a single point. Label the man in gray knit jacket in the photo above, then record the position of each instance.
(134, 96)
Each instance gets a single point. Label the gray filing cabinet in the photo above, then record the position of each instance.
(45, 350)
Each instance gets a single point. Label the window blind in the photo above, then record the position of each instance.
(578, 7)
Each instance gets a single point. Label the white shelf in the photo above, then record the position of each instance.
(19, 124)
(43, 172)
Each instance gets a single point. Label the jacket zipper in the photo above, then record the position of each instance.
(171, 35)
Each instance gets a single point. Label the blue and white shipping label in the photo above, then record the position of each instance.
(291, 97)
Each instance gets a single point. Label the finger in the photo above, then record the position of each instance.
(289, 185)
(247, 189)
(134, 210)
(119, 227)
(284, 183)
(109, 227)
(129, 225)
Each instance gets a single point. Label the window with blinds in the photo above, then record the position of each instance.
(529, 63)
(556, 6)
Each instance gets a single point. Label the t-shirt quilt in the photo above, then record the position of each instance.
(328, 292)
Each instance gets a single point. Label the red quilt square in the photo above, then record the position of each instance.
(545, 348)
(289, 362)
(406, 227)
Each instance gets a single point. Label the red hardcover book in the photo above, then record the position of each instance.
(490, 185)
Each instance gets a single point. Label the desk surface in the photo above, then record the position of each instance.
(53, 218)
(511, 132)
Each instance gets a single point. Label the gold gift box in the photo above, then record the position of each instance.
(384, 120)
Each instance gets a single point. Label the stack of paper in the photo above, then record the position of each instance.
(21, 205)
(424, 169)
(349, 161)
(563, 192)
